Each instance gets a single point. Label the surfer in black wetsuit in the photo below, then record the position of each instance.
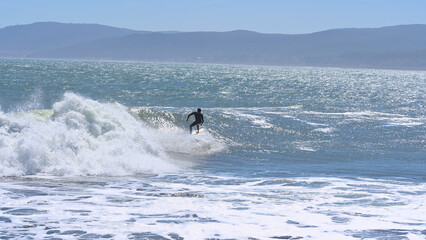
(199, 120)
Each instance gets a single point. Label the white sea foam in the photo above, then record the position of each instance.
(324, 130)
(306, 148)
(388, 119)
(256, 120)
(405, 121)
(196, 206)
(81, 136)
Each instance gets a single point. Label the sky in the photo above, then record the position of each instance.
(266, 16)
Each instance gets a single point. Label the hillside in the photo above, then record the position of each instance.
(397, 47)
(29, 40)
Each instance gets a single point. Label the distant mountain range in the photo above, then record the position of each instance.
(396, 47)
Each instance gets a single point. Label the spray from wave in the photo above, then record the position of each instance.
(80, 136)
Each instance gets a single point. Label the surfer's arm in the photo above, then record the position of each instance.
(189, 116)
(202, 119)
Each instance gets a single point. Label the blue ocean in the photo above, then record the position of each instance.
(101, 150)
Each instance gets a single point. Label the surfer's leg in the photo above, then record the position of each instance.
(190, 126)
(198, 128)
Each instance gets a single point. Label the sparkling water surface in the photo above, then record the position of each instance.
(101, 150)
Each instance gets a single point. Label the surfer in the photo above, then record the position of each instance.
(199, 120)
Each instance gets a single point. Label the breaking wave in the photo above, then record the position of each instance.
(80, 136)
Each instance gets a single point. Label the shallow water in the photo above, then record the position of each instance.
(101, 150)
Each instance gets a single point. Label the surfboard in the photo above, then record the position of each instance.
(194, 131)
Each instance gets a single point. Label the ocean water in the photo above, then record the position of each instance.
(101, 150)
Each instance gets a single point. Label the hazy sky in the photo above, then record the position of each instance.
(268, 16)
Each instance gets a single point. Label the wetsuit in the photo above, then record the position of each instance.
(199, 119)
